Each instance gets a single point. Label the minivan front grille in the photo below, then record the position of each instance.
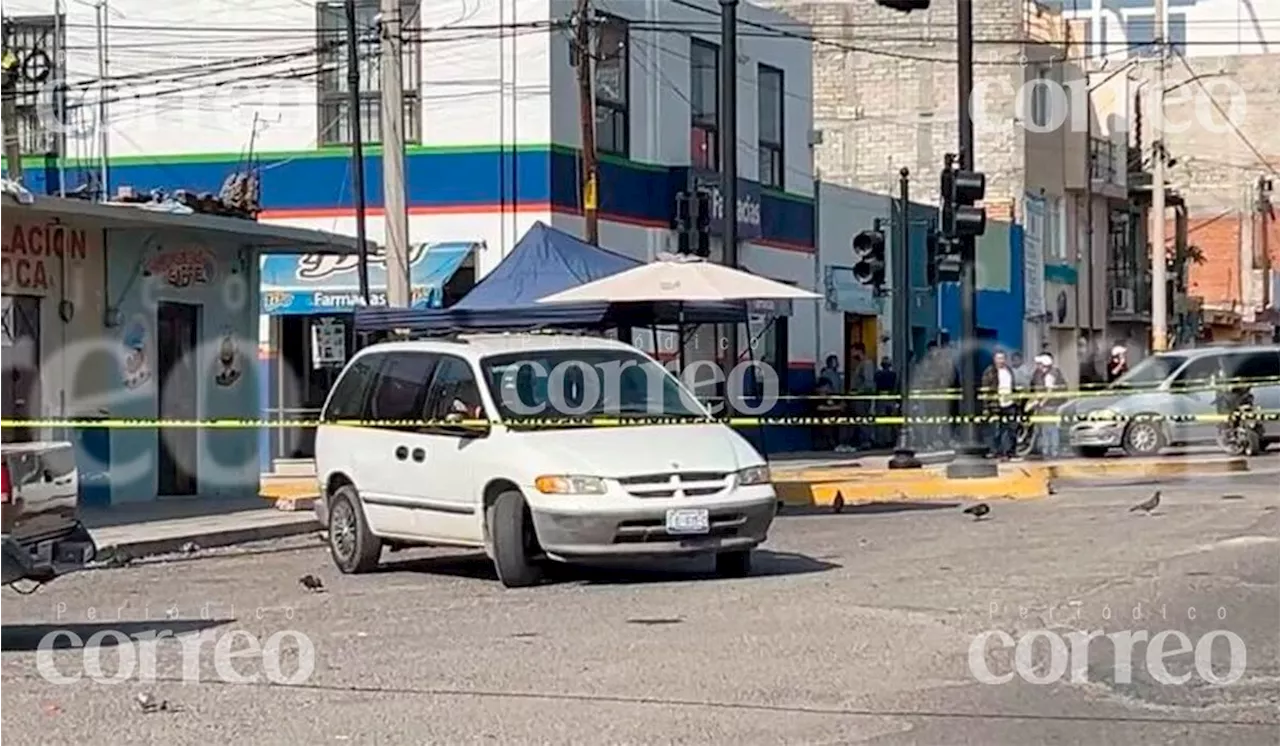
(676, 484)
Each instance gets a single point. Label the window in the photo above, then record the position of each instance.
(1151, 372)
(1253, 367)
(612, 59)
(39, 43)
(454, 392)
(595, 383)
(772, 107)
(1055, 230)
(1199, 372)
(1042, 85)
(347, 400)
(401, 388)
(335, 107)
(1140, 29)
(704, 100)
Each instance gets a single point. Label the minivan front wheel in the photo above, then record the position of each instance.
(515, 543)
(353, 546)
(1143, 438)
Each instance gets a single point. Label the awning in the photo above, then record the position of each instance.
(319, 283)
(265, 236)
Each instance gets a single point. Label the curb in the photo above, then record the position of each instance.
(1120, 469)
(209, 539)
(923, 485)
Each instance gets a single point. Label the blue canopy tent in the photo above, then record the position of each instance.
(545, 261)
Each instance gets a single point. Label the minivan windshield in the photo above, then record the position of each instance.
(1150, 373)
(570, 384)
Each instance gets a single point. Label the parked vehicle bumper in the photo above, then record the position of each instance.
(68, 553)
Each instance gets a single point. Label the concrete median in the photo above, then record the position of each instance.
(844, 485)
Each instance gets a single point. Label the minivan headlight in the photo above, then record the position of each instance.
(753, 475)
(569, 484)
(1103, 415)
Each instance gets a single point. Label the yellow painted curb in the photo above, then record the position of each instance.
(1147, 468)
(289, 489)
(1014, 483)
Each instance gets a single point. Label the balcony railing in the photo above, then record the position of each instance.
(1104, 161)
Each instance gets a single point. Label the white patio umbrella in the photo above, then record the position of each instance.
(678, 278)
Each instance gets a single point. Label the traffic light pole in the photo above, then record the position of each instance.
(729, 156)
(904, 457)
(971, 454)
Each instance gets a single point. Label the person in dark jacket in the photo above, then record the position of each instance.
(1118, 365)
(1047, 386)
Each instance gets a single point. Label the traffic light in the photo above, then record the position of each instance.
(693, 223)
(869, 247)
(904, 6)
(961, 190)
(943, 261)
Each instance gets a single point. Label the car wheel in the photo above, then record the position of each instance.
(1143, 438)
(1091, 452)
(733, 564)
(354, 548)
(515, 543)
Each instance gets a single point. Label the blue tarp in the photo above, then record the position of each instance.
(544, 262)
(318, 283)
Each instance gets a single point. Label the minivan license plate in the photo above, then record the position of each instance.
(688, 521)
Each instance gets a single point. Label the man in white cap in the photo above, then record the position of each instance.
(1118, 365)
(1046, 382)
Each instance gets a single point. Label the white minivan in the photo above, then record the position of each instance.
(483, 441)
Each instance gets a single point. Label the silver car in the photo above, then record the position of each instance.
(1168, 399)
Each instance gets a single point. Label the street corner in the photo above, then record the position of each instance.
(1143, 468)
(1013, 483)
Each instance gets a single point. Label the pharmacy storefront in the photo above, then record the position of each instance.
(304, 328)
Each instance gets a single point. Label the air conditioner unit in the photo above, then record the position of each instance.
(1122, 300)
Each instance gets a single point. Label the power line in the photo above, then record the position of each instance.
(1262, 159)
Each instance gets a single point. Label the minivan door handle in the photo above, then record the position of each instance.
(419, 455)
(402, 453)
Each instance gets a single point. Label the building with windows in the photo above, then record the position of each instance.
(1196, 28)
(492, 120)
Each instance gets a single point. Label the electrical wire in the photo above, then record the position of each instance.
(1262, 159)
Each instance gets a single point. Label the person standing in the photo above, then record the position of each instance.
(998, 388)
(1118, 365)
(831, 375)
(889, 404)
(864, 389)
(1047, 384)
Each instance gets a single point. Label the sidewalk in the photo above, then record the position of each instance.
(168, 526)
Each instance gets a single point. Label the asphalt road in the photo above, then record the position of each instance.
(855, 629)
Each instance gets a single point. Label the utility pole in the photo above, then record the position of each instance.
(728, 106)
(395, 212)
(104, 134)
(357, 143)
(9, 114)
(585, 57)
(904, 457)
(1159, 279)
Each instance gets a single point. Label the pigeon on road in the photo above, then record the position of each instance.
(978, 511)
(312, 583)
(1148, 505)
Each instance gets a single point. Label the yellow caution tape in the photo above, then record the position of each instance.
(561, 422)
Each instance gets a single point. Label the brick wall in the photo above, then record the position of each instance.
(1216, 166)
(881, 111)
(1219, 238)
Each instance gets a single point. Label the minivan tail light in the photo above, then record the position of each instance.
(6, 484)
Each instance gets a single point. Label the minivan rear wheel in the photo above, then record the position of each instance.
(515, 543)
(353, 546)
